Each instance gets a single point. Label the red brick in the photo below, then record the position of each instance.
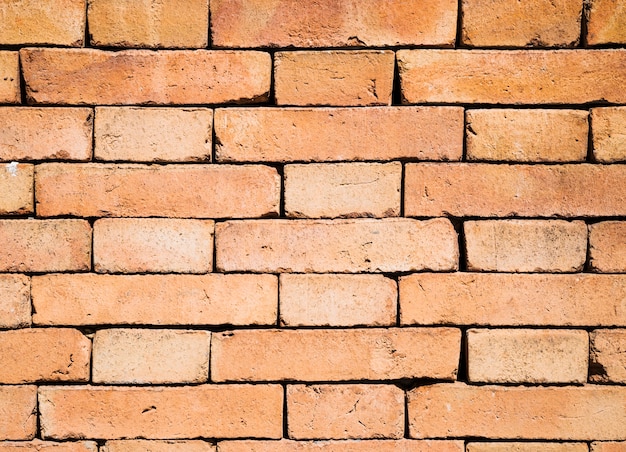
(379, 445)
(606, 22)
(9, 78)
(334, 77)
(608, 446)
(45, 245)
(512, 76)
(209, 411)
(608, 356)
(159, 245)
(345, 411)
(140, 445)
(608, 127)
(343, 246)
(15, 306)
(527, 447)
(194, 191)
(16, 186)
(18, 412)
(38, 446)
(74, 76)
(607, 246)
(335, 355)
(334, 134)
(212, 299)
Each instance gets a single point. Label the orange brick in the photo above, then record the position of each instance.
(343, 246)
(33, 133)
(497, 412)
(606, 22)
(142, 356)
(345, 411)
(209, 411)
(74, 76)
(139, 445)
(536, 23)
(527, 447)
(527, 356)
(153, 134)
(45, 354)
(148, 23)
(214, 299)
(334, 77)
(608, 356)
(343, 190)
(609, 134)
(45, 446)
(379, 445)
(56, 22)
(160, 245)
(525, 245)
(337, 300)
(607, 246)
(45, 245)
(15, 305)
(512, 76)
(9, 77)
(335, 355)
(16, 186)
(527, 135)
(18, 405)
(333, 134)
(263, 23)
(194, 191)
(489, 190)
(608, 446)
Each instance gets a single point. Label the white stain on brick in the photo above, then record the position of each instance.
(12, 168)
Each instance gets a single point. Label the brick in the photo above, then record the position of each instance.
(607, 246)
(74, 76)
(608, 356)
(343, 190)
(489, 190)
(45, 245)
(334, 77)
(512, 76)
(342, 246)
(44, 354)
(18, 412)
(15, 305)
(380, 445)
(153, 134)
(606, 23)
(337, 300)
(333, 134)
(160, 245)
(608, 127)
(512, 300)
(142, 356)
(335, 355)
(497, 412)
(38, 445)
(527, 356)
(213, 299)
(9, 77)
(52, 133)
(139, 445)
(527, 447)
(47, 22)
(536, 23)
(16, 186)
(527, 135)
(126, 190)
(261, 23)
(148, 23)
(345, 412)
(525, 245)
(608, 446)
(209, 411)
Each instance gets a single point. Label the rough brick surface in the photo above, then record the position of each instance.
(45, 446)
(9, 78)
(139, 445)
(609, 133)
(608, 446)
(608, 356)
(526, 447)
(380, 445)
(15, 305)
(16, 186)
(607, 246)
(607, 22)
(18, 412)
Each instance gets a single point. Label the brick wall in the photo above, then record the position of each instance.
(279, 225)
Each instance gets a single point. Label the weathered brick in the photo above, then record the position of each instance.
(159, 245)
(608, 446)
(74, 76)
(606, 22)
(343, 190)
(210, 411)
(18, 409)
(335, 355)
(608, 127)
(263, 23)
(15, 305)
(345, 411)
(379, 445)
(44, 354)
(342, 246)
(126, 190)
(214, 299)
(527, 356)
(38, 446)
(499, 412)
(512, 76)
(337, 300)
(525, 245)
(536, 23)
(45, 245)
(153, 134)
(150, 356)
(490, 190)
(527, 135)
(9, 78)
(527, 447)
(146, 23)
(16, 186)
(607, 246)
(334, 77)
(139, 445)
(334, 134)
(608, 356)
